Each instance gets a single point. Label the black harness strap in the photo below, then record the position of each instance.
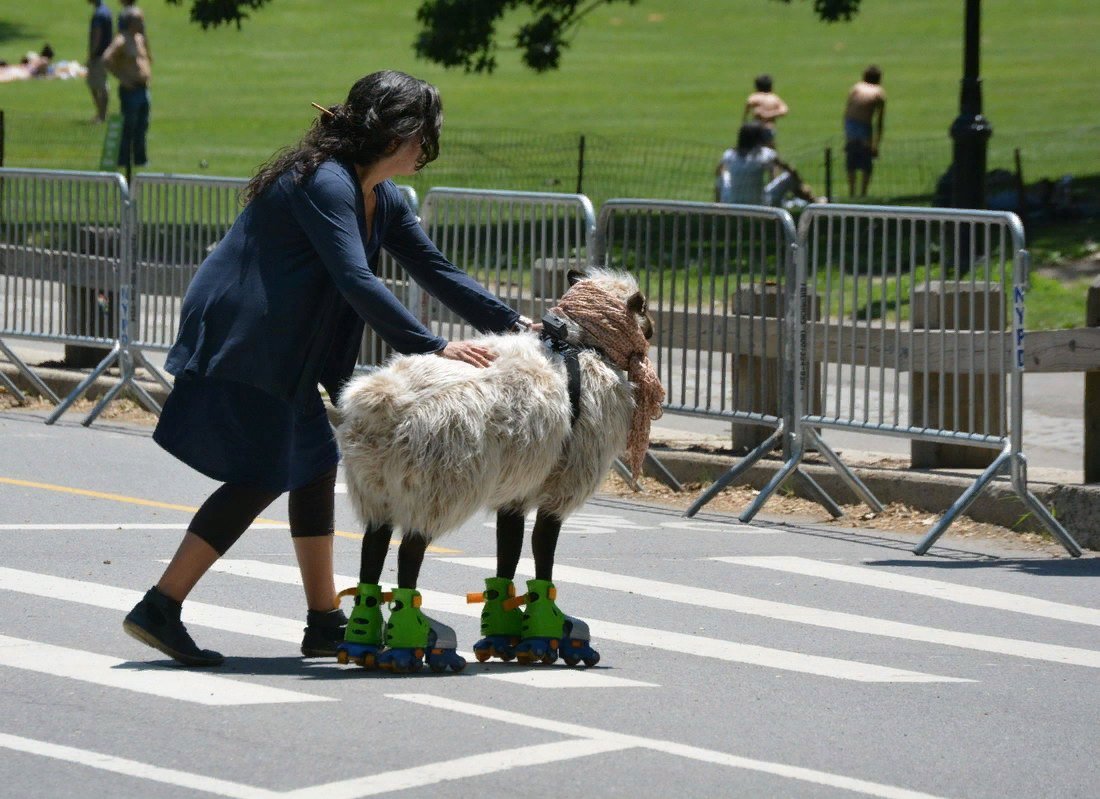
(570, 354)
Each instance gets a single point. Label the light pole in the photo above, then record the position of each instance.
(970, 130)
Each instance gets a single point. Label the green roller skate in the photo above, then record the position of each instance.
(406, 633)
(542, 624)
(364, 633)
(501, 620)
(548, 633)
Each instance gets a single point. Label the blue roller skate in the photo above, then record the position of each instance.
(406, 634)
(363, 635)
(501, 620)
(576, 644)
(442, 643)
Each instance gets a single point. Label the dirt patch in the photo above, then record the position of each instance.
(121, 409)
(894, 518)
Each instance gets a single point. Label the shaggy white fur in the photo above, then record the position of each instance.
(428, 442)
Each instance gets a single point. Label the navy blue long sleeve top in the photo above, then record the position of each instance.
(281, 302)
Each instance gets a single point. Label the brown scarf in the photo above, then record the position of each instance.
(614, 329)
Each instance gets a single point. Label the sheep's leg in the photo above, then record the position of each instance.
(501, 625)
(363, 637)
(509, 541)
(547, 632)
(409, 633)
(544, 543)
(410, 556)
(376, 545)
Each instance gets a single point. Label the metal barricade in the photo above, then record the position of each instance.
(64, 243)
(180, 219)
(518, 244)
(716, 281)
(913, 324)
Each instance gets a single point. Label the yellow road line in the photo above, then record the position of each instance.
(149, 503)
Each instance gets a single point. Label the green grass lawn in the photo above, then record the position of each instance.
(667, 70)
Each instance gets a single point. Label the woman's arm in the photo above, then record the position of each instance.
(409, 244)
(327, 208)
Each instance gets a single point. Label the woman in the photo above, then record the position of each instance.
(741, 175)
(279, 307)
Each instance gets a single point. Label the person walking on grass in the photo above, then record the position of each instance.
(278, 308)
(99, 36)
(127, 58)
(864, 116)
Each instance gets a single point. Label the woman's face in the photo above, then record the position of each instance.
(406, 156)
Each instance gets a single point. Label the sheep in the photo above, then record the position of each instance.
(428, 442)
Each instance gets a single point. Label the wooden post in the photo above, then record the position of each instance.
(925, 310)
(1092, 394)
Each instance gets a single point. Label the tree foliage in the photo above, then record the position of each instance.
(212, 13)
(463, 33)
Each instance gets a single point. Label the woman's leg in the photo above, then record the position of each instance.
(217, 525)
(312, 515)
(312, 521)
(221, 520)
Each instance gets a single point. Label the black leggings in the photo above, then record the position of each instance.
(229, 511)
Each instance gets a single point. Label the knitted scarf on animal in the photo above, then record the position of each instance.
(614, 330)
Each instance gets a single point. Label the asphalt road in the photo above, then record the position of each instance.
(778, 659)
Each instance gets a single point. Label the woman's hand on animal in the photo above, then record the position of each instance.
(469, 353)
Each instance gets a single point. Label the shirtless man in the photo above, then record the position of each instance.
(764, 106)
(863, 119)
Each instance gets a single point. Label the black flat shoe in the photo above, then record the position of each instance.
(324, 630)
(155, 621)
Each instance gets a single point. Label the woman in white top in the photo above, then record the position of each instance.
(744, 170)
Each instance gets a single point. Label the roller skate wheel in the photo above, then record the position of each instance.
(482, 654)
(570, 661)
(437, 666)
(342, 657)
(592, 661)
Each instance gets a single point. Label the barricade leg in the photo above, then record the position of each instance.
(846, 474)
(625, 473)
(154, 372)
(663, 474)
(965, 500)
(28, 373)
(761, 450)
(819, 494)
(773, 485)
(85, 384)
(126, 379)
(5, 381)
(1019, 484)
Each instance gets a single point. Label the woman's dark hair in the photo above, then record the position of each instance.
(750, 136)
(382, 110)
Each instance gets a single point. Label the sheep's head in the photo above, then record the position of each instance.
(595, 302)
(606, 310)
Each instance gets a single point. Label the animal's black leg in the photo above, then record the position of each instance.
(410, 555)
(509, 541)
(544, 542)
(376, 543)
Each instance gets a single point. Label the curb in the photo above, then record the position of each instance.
(1077, 507)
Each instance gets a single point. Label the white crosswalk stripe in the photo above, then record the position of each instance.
(666, 640)
(170, 683)
(836, 620)
(938, 589)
